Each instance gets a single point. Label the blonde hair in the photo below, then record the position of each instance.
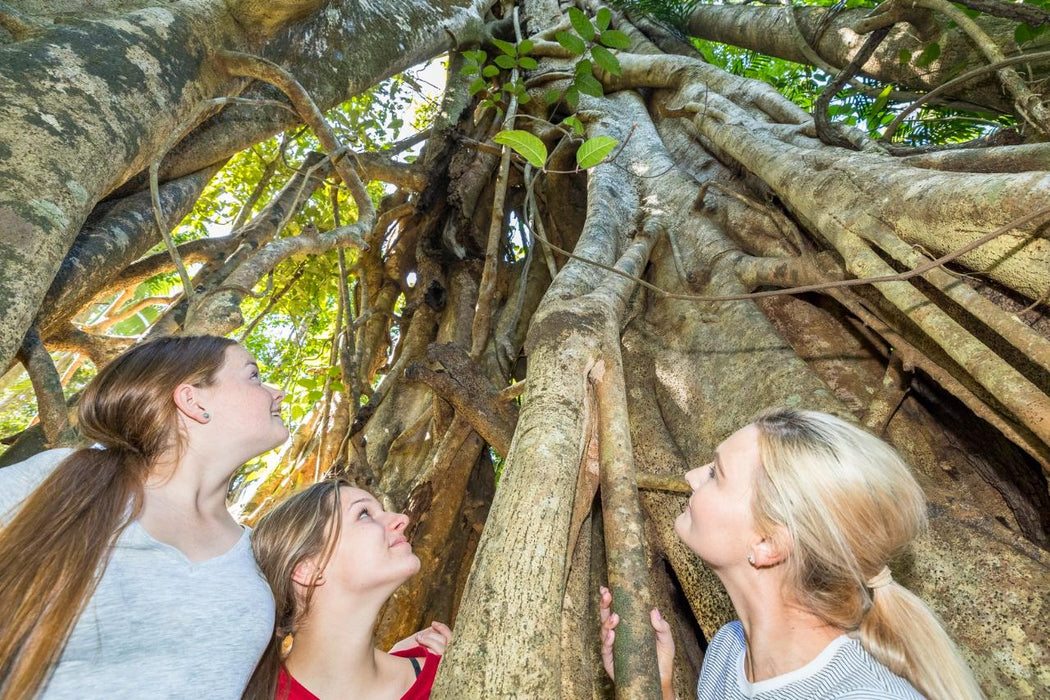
(304, 526)
(849, 505)
(62, 535)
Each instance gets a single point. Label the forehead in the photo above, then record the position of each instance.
(351, 494)
(237, 357)
(741, 448)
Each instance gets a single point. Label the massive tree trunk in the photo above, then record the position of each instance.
(623, 343)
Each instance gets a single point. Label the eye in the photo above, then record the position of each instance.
(364, 514)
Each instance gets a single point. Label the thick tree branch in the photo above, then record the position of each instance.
(47, 385)
(469, 393)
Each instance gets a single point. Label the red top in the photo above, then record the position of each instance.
(290, 689)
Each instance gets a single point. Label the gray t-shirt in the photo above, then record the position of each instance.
(843, 670)
(158, 625)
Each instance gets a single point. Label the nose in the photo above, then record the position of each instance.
(277, 394)
(692, 477)
(398, 522)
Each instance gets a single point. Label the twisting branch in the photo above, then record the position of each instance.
(1029, 105)
(825, 129)
(47, 385)
(1016, 11)
(154, 175)
(273, 300)
(486, 289)
(955, 82)
(246, 65)
(838, 284)
(260, 186)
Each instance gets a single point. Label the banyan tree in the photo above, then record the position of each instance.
(617, 233)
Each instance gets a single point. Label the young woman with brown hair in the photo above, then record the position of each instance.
(333, 557)
(123, 573)
(799, 515)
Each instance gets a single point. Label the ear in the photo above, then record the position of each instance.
(771, 550)
(306, 574)
(187, 399)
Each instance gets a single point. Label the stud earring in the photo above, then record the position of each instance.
(751, 559)
(286, 644)
(207, 415)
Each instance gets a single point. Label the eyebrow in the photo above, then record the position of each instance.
(361, 500)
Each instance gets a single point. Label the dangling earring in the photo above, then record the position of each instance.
(286, 644)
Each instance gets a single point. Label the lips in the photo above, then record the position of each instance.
(400, 539)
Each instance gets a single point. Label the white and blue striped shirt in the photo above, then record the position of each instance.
(843, 670)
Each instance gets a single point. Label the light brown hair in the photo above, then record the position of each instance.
(302, 527)
(65, 529)
(850, 505)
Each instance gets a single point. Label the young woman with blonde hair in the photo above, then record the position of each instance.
(800, 515)
(123, 573)
(333, 557)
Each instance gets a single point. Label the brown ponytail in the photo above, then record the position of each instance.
(64, 531)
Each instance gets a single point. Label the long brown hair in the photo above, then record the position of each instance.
(63, 533)
(850, 505)
(304, 526)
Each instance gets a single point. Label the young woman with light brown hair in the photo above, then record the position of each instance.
(333, 557)
(800, 515)
(123, 574)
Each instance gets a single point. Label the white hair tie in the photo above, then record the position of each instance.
(883, 578)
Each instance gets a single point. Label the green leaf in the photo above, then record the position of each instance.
(904, 56)
(880, 102)
(571, 42)
(524, 144)
(572, 96)
(478, 56)
(588, 85)
(338, 386)
(604, 58)
(574, 122)
(930, 54)
(615, 39)
(528, 63)
(477, 86)
(1025, 32)
(526, 46)
(506, 47)
(469, 69)
(490, 70)
(314, 396)
(505, 62)
(583, 67)
(552, 96)
(603, 19)
(581, 24)
(593, 151)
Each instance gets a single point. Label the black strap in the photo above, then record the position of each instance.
(415, 665)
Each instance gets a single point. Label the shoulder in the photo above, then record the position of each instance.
(19, 480)
(729, 638)
(858, 675)
(428, 661)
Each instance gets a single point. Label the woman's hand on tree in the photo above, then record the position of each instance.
(434, 638)
(664, 642)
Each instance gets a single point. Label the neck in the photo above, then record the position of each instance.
(333, 648)
(193, 486)
(781, 637)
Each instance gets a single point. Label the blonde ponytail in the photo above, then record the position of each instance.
(851, 505)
